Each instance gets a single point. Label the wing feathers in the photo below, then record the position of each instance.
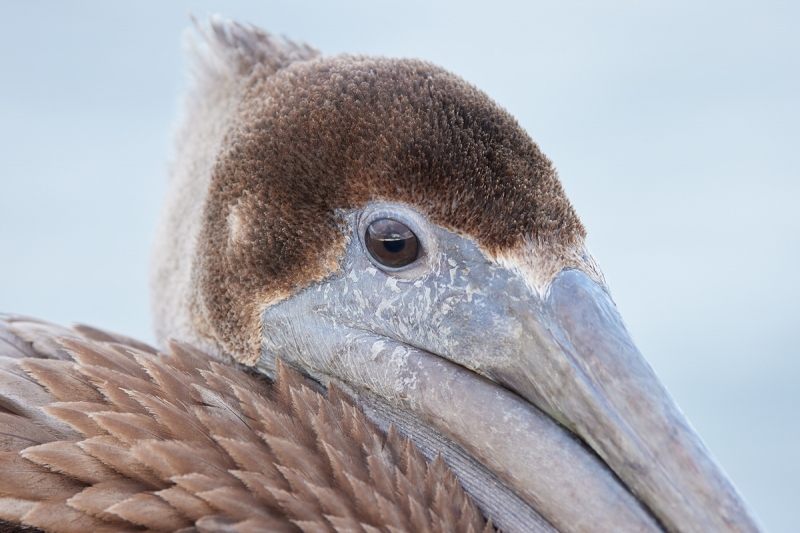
(40, 336)
(13, 509)
(150, 511)
(177, 458)
(126, 427)
(58, 517)
(99, 433)
(264, 486)
(97, 499)
(118, 456)
(11, 344)
(78, 415)
(94, 334)
(62, 380)
(255, 457)
(188, 504)
(17, 433)
(29, 481)
(69, 459)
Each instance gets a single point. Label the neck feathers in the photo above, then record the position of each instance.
(222, 60)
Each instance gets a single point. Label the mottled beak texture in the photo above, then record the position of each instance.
(539, 399)
(612, 399)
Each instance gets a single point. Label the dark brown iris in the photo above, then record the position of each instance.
(391, 243)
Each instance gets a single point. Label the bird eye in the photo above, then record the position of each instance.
(392, 243)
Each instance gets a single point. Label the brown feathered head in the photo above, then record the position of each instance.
(383, 225)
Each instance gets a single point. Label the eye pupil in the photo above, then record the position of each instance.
(392, 243)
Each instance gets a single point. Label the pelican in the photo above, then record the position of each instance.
(376, 311)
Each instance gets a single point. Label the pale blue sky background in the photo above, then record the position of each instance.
(675, 126)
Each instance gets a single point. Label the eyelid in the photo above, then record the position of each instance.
(402, 231)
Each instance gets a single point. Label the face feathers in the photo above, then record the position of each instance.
(298, 139)
(331, 134)
(130, 440)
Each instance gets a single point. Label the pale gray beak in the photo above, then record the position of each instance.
(542, 405)
(599, 386)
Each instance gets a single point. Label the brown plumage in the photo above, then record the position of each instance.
(102, 433)
(309, 136)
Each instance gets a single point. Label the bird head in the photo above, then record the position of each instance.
(383, 225)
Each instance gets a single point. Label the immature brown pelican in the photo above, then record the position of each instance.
(387, 230)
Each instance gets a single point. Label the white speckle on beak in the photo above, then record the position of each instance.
(377, 348)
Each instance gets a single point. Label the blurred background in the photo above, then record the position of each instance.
(675, 126)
